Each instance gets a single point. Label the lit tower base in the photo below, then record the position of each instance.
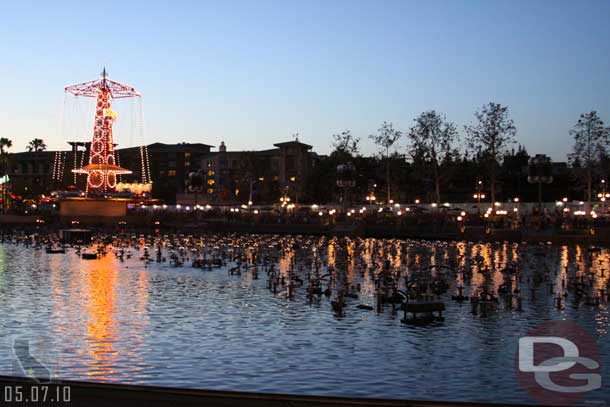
(101, 170)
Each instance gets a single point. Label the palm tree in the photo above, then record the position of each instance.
(36, 145)
(5, 144)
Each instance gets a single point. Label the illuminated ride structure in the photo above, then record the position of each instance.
(102, 169)
(106, 198)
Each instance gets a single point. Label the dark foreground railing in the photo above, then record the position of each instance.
(24, 392)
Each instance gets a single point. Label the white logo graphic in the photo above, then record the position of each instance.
(569, 359)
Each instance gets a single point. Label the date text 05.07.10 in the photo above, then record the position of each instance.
(35, 393)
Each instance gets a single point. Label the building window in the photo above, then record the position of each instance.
(290, 163)
(171, 173)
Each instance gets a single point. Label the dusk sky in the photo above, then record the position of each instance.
(252, 73)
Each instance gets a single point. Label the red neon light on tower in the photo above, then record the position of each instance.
(102, 170)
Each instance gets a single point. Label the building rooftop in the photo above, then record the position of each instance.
(178, 146)
(293, 143)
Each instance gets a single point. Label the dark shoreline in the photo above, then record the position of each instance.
(110, 394)
(422, 231)
(471, 234)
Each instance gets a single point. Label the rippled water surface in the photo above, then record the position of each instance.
(112, 321)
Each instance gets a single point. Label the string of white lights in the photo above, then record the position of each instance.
(142, 166)
(61, 165)
(82, 158)
(54, 172)
(148, 177)
(74, 152)
(118, 162)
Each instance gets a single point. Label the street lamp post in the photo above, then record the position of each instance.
(371, 198)
(540, 171)
(604, 196)
(196, 184)
(478, 195)
(346, 179)
(285, 199)
(516, 214)
(252, 182)
(250, 193)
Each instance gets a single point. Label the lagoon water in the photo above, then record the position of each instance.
(111, 321)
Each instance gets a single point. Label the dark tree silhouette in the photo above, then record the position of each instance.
(591, 142)
(36, 145)
(385, 138)
(5, 144)
(345, 145)
(432, 138)
(491, 135)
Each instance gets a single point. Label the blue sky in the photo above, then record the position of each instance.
(252, 73)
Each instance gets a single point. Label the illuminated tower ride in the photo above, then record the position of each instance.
(102, 169)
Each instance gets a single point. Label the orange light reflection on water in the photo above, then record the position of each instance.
(101, 325)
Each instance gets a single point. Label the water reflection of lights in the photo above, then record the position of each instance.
(101, 325)
(118, 326)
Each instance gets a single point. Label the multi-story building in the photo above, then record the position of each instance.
(30, 173)
(229, 176)
(35, 173)
(263, 175)
(169, 166)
